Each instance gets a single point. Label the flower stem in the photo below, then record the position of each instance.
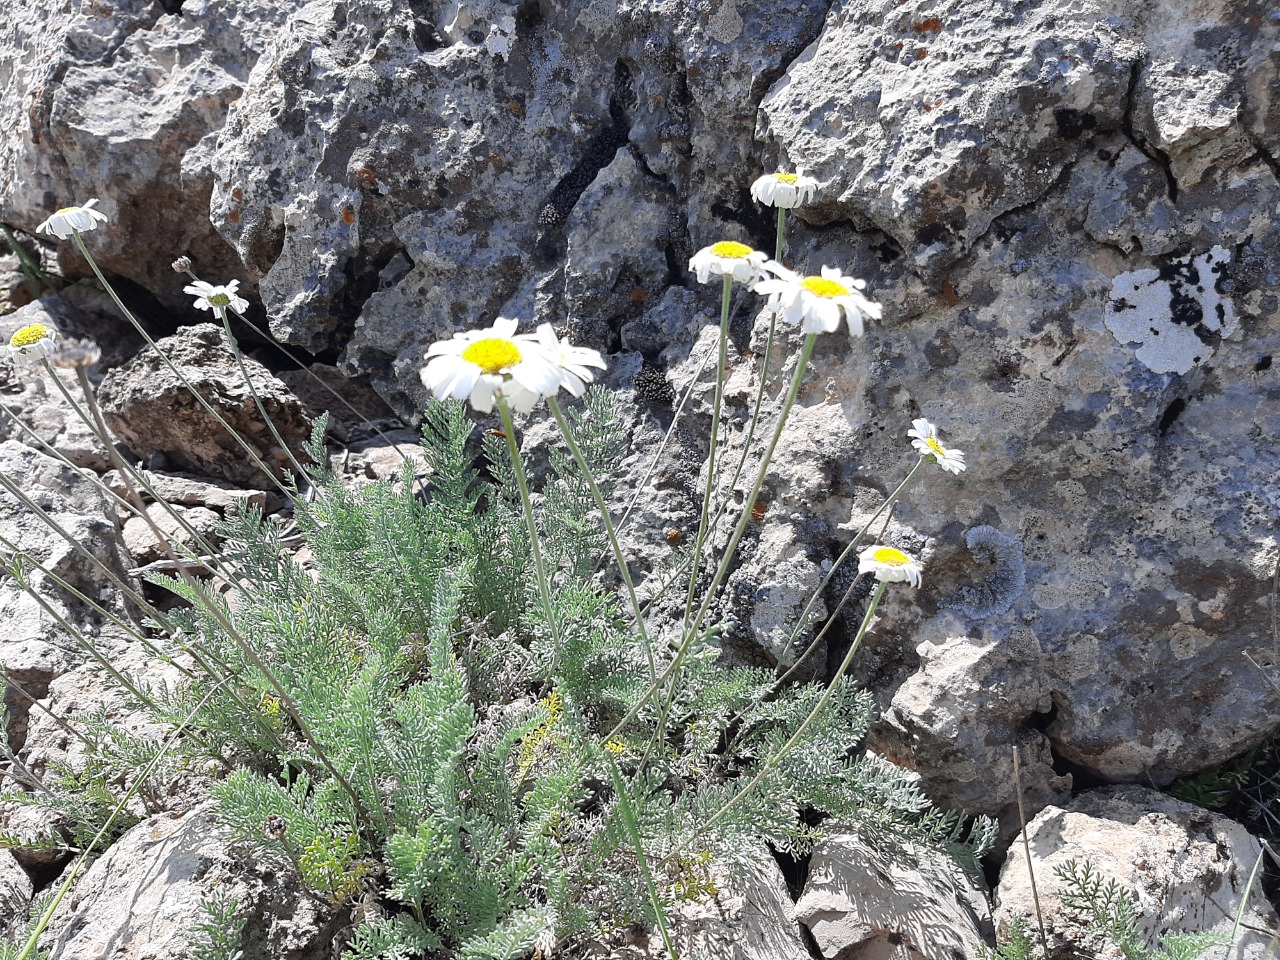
(517, 466)
(704, 519)
(633, 831)
(609, 529)
(782, 230)
(301, 472)
(803, 620)
(208, 408)
(686, 643)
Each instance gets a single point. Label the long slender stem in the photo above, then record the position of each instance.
(808, 721)
(603, 506)
(208, 408)
(531, 523)
(704, 517)
(686, 643)
(1026, 849)
(803, 620)
(782, 230)
(633, 831)
(666, 438)
(300, 472)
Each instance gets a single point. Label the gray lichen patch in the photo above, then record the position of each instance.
(1175, 313)
(1004, 581)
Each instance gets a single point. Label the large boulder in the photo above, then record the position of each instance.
(1185, 869)
(151, 408)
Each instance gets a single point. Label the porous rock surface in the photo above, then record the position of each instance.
(142, 899)
(1068, 212)
(122, 101)
(149, 407)
(1186, 869)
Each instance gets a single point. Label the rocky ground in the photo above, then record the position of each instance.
(1068, 211)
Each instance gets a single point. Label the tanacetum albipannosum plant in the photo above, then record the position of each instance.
(448, 716)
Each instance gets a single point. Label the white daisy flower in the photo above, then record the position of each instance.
(927, 443)
(476, 364)
(816, 304)
(890, 565)
(728, 259)
(31, 344)
(216, 297)
(786, 190)
(572, 361)
(68, 220)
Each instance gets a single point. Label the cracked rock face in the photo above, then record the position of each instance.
(1068, 212)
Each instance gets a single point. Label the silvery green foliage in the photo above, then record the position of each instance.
(1109, 909)
(478, 814)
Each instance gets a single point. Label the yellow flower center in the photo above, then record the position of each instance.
(890, 556)
(66, 210)
(492, 354)
(731, 249)
(219, 300)
(935, 446)
(785, 177)
(29, 335)
(822, 287)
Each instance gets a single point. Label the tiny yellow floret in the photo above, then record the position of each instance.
(822, 287)
(935, 446)
(492, 354)
(785, 177)
(730, 248)
(29, 335)
(895, 558)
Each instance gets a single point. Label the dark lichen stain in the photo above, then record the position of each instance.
(1170, 415)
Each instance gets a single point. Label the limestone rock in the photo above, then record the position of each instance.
(198, 527)
(431, 226)
(121, 101)
(142, 898)
(1186, 867)
(384, 458)
(749, 918)
(188, 491)
(33, 646)
(859, 904)
(151, 410)
(15, 894)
